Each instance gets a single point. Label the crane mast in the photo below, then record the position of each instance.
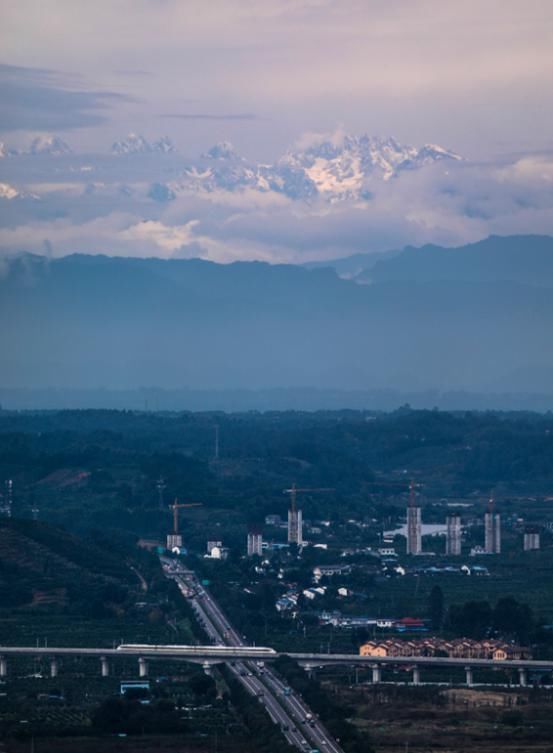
(174, 539)
(295, 518)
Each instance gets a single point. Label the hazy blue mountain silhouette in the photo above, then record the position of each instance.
(477, 318)
(522, 259)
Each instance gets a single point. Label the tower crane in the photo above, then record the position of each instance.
(295, 522)
(294, 490)
(175, 507)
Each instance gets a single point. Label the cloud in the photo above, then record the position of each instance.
(445, 204)
(472, 75)
(36, 99)
(166, 238)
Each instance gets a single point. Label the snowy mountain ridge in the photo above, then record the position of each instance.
(134, 143)
(334, 169)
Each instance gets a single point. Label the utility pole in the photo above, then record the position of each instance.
(161, 486)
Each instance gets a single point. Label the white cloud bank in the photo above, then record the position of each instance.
(448, 207)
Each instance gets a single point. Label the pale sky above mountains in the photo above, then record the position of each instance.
(474, 76)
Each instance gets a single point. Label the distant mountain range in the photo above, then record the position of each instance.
(477, 318)
(524, 260)
(334, 169)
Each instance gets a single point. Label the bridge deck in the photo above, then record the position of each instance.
(228, 653)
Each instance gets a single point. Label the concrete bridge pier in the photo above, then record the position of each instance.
(310, 669)
(142, 667)
(376, 674)
(54, 667)
(3, 666)
(522, 677)
(416, 676)
(206, 666)
(104, 665)
(469, 676)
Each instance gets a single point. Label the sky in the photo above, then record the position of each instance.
(473, 76)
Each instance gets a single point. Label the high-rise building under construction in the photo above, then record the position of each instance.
(453, 535)
(295, 526)
(414, 537)
(492, 531)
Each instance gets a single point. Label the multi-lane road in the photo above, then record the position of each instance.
(286, 708)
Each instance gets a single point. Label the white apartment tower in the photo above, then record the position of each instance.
(531, 539)
(255, 543)
(453, 535)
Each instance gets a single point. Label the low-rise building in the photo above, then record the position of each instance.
(329, 570)
(459, 648)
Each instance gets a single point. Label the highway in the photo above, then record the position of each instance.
(285, 707)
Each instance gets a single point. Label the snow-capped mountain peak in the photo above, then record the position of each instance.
(223, 150)
(334, 167)
(353, 159)
(49, 144)
(135, 143)
(164, 145)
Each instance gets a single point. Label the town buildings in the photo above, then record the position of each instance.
(459, 648)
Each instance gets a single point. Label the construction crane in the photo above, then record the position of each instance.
(175, 507)
(294, 491)
(295, 520)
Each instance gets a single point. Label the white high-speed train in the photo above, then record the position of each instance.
(233, 651)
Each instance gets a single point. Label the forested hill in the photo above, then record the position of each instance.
(41, 565)
(477, 319)
(99, 469)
